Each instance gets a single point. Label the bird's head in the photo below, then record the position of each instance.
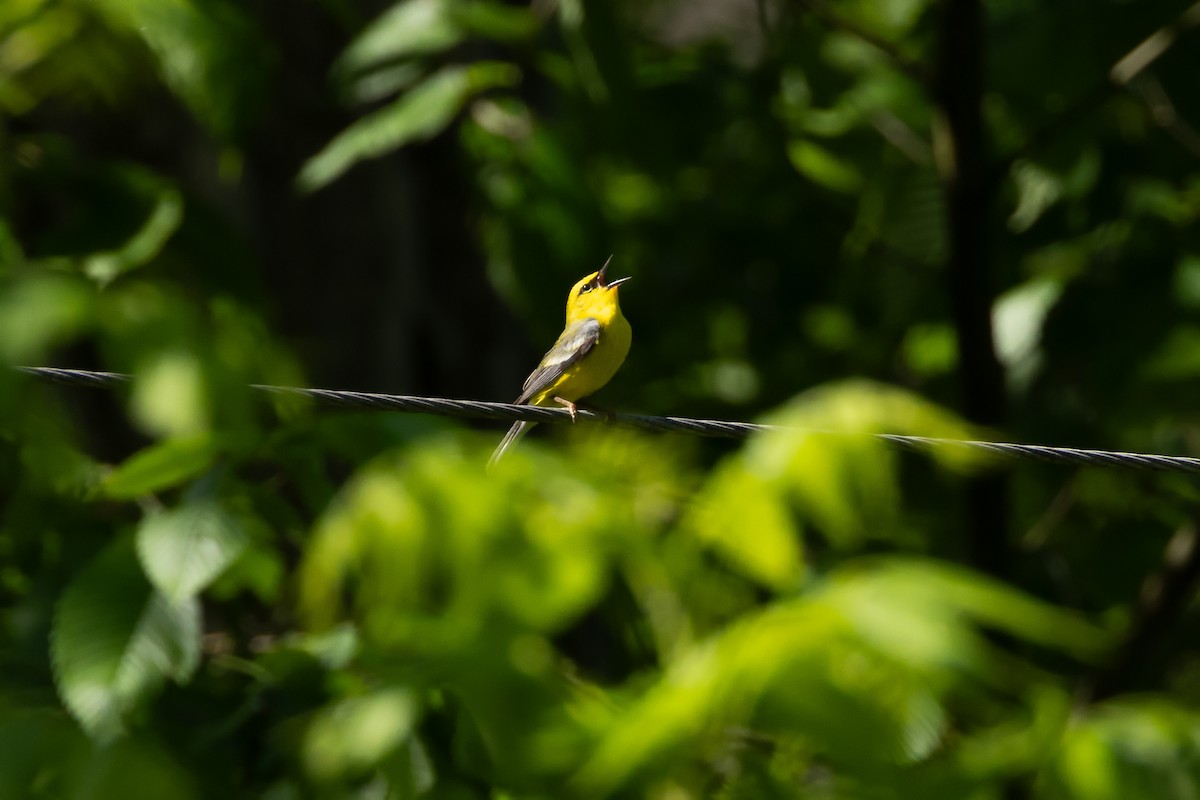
(594, 296)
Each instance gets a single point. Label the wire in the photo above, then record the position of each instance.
(507, 412)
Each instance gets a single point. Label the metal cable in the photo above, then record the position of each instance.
(507, 412)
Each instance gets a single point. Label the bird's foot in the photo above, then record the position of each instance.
(574, 409)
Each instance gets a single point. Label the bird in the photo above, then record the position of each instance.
(589, 351)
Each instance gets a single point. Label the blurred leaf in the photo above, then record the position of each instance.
(938, 592)
(435, 551)
(258, 569)
(747, 521)
(931, 350)
(161, 466)
(854, 668)
(1037, 190)
(1177, 358)
(1017, 317)
(209, 53)
(752, 674)
(826, 458)
(38, 312)
(422, 113)
(891, 18)
(185, 549)
(1144, 747)
(408, 28)
(170, 396)
(115, 640)
(823, 167)
(144, 245)
(384, 82)
(357, 733)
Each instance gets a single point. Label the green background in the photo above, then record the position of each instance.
(944, 219)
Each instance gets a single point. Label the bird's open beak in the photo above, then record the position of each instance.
(603, 270)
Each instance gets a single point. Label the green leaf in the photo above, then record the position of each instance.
(160, 466)
(1136, 747)
(797, 666)
(495, 20)
(746, 520)
(170, 395)
(409, 28)
(185, 549)
(209, 53)
(355, 734)
(428, 549)
(39, 312)
(1037, 190)
(937, 593)
(823, 167)
(115, 640)
(421, 114)
(1018, 317)
(143, 246)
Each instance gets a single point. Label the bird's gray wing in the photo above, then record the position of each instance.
(574, 343)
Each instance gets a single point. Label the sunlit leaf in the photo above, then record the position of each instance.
(797, 665)
(823, 167)
(209, 53)
(747, 521)
(937, 592)
(420, 114)
(170, 396)
(855, 668)
(161, 466)
(1144, 747)
(407, 28)
(357, 733)
(39, 312)
(185, 549)
(1037, 190)
(434, 549)
(1017, 317)
(115, 640)
(144, 245)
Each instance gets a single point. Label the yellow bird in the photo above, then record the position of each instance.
(587, 354)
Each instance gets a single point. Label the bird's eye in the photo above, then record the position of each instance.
(587, 287)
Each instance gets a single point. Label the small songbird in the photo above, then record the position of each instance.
(587, 354)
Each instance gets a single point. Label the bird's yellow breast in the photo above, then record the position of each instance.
(596, 368)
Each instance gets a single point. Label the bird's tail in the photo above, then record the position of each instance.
(518, 430)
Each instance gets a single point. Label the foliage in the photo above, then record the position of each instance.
(209, 591)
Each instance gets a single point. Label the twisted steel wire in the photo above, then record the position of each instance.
(507, 412)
